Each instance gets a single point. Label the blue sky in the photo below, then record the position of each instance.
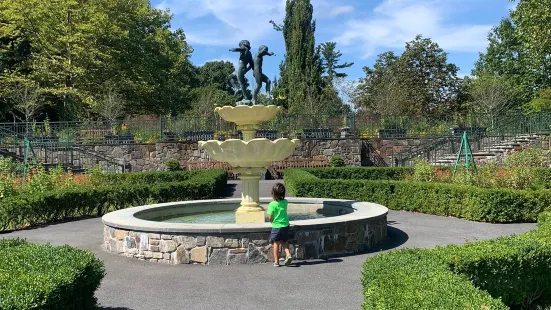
(362, 28)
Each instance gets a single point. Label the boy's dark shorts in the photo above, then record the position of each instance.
(280, 234)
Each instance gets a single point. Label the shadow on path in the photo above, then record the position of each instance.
(395, 238)
(112, 308)
(229, 191)
(315, 262)
(49, 224)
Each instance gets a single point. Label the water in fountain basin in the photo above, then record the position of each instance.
(296, 213)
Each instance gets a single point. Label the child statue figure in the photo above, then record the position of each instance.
(257, 71)
(245, 64)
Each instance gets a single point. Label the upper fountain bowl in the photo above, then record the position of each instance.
(248, 115)
(254, 153)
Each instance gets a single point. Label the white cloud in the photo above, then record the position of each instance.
(226, 22)
(395, 22)
(234, 20)
(340, 10)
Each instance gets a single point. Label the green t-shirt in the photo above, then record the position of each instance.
(278, 210)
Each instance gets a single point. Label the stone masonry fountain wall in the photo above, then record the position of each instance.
(354, 233)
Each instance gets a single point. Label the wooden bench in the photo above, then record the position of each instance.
(276, 168)
(317, 133)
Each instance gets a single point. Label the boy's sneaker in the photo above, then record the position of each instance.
(287, 260)
(276, 264)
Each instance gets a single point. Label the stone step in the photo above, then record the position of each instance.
(444, 162)
(503, 146)
(483, 154)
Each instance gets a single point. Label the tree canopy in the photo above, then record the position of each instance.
(75, 50)
(419, 81)
(520, 48)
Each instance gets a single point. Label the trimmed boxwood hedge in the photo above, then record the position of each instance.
(361, 173)
(36, 276)
(472, 203)
(156, 177)
(542, 176)
(495, 274)
(119, 191)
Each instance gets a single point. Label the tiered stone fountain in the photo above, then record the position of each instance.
(251, 156)
(206, 232)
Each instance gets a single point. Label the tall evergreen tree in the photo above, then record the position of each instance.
(330, 61)
(300, 71)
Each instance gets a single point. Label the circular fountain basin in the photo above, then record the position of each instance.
(204, 232)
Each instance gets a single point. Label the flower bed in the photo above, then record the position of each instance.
(105, 193)
(473, 203)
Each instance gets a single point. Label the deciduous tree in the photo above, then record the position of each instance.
(418, 82)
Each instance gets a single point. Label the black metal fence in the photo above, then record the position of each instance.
(307, 126)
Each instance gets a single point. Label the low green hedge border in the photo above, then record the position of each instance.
(361, 173)
(472, 203)
(120, 191)
(495, 274)
(542, 176)
(47, 277)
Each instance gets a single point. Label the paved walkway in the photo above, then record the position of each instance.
(333, 284)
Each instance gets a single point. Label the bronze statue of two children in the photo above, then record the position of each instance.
(246, 63)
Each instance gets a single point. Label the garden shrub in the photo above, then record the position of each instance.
(469, 202)
(423, 171)
(151, 177)
(133, 189)
(495, 274)
(36, 276)
(514, 271)
(337, 161)
(172, 165)
(360, 173)
(414, 279)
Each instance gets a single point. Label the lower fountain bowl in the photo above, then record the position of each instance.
(183, 233)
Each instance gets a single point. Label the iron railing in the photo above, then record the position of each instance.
(68, 156)
(303, 126)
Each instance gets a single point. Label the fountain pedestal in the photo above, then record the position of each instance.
(249, 157)
(250, 211)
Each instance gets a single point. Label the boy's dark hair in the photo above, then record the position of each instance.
(278, 192)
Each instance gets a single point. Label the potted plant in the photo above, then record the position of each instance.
(220, 135)
(67, 135)
(119, 135)
(43, 133)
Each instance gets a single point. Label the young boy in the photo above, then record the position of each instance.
(277, 214)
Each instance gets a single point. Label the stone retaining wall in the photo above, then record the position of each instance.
(247, 248)
(151, 157)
